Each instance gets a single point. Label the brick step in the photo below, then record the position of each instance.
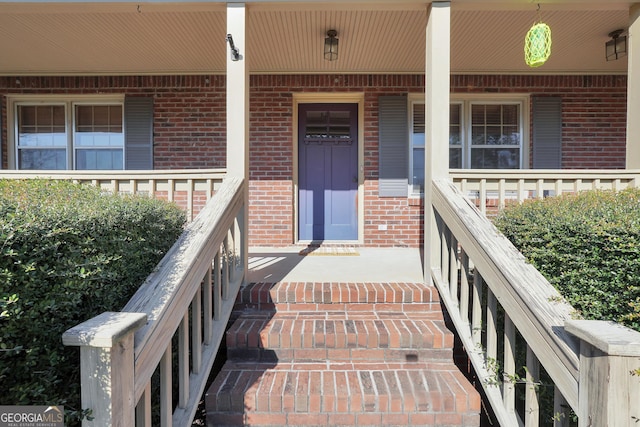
(332, 394)
(340, 354)
(385, 336)
(319, 296)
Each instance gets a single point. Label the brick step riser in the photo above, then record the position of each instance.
(335, 293)
(369, 332)
(342, 355)
(405, 391)
(268, 419)
(269, 307)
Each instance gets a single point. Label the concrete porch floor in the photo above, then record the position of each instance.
(380, 265)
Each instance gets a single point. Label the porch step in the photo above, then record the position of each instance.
(340, 336)
(329, 354)
(304, 296)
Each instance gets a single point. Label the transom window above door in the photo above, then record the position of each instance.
(69, 135)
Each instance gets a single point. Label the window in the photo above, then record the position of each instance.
(483, 134)
(83, 135)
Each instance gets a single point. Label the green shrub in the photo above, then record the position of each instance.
(588, 246)
(68, 253)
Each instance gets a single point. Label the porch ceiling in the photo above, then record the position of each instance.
(189, 38)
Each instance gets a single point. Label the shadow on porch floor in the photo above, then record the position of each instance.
(381, 265)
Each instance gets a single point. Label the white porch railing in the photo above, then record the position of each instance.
(189, 189)
(187, 300)
(508, 317)
(491, 190)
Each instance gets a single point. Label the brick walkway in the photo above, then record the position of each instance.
(366, 354)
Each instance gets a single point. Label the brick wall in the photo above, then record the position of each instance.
(189, 112)
(189, 132)
(271, 213)
(594, 112)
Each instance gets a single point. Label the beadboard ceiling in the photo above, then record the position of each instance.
(189, 38)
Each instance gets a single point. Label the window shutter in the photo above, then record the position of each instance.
(138, 133)
(547, 132)
(393, 162)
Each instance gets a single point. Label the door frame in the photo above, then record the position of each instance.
(329, 98)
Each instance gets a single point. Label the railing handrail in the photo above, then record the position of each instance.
(85, 175)
(167, 293)
(190, 295)
(534, 305)
(591, 363)
(457, 174)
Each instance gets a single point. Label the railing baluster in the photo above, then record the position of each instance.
(476, 309)
(464, 285)
(170, 189)
(532, 404)
(166, 387)
(225, 268)
(453, 267)
(521, 190)
(483, 196)
(501, 193)
(217, 286)
(196, 332)
(509, 364)
(540, 188)
(190, 208)
(492, 333)
(143, 410)
(207, 296)
(209, 189)
(183, 361)
(561, 409)
(445, 243)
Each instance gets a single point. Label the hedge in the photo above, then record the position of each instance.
(587, 245)
(68, 253)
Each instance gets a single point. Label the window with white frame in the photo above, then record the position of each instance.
(67, 134)
(483, 134)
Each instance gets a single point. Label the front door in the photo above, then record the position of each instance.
(328, 171)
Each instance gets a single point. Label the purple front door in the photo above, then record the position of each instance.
(328, 171)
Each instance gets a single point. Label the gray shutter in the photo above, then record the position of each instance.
(547, 132)
(393, 159)
(138, 133)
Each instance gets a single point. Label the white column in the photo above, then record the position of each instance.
(633, 90)
(437, 88)
(237, 94)
(238, 114)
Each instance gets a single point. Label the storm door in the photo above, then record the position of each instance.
(328, 171)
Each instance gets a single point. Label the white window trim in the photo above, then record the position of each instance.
(467, 99)
(69, 100)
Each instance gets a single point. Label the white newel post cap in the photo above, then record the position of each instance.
(104, 330)
(609, 337)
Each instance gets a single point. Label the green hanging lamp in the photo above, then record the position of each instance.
(537, 44)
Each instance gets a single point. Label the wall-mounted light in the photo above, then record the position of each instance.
(331, 46)
(235, 53)
(616, 48)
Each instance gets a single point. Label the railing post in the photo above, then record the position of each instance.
(107, 366)
(609, 388)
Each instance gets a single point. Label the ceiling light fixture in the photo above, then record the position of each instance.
(331, 46)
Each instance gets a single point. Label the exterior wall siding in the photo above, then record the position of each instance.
(189, 132)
